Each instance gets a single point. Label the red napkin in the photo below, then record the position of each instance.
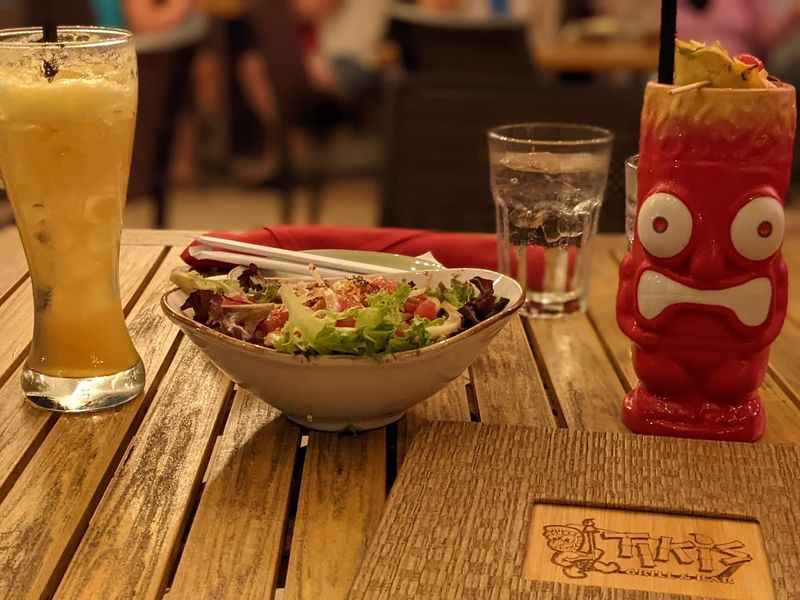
(451, 249)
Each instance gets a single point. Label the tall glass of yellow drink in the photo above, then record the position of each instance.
(67, 115)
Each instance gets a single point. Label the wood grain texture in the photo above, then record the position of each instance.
(784, 358)
(158, 237)
(48, 506)
(603, 309)
(132, 538)
(791, 254)
(22, 426)
(235, 543)
(12, 266)
(783, 415)
(450, 404)
(16, 313)
(341, 500)
(584, 381)
(507, 383)
(469, 538)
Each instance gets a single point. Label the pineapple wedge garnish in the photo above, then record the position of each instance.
(695, 62)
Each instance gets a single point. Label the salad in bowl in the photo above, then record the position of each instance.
(341, 354)
(357, 315)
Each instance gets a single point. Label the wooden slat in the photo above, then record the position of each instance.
(603, 310)
(47, 508)
(588, 390)
(128, 548)
(158, 237)
(450, 404)
(12, 266)
(22, 427)
(791, 254)
(782, 413)
(16, 313)
(341, 500)
(16, 328)
(784, 357)
(235, 543)
(507, 383)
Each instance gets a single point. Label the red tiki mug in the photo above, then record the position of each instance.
(703, 290)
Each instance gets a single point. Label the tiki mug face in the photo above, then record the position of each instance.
(703, 291)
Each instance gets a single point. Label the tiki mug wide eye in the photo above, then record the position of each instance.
(757, 229)
(664, 225)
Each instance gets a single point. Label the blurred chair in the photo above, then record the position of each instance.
(459, 48)
(71, 12)
(10, 13)
(437, 164)
(280, 42)
(163, 81)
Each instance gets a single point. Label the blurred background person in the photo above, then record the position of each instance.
(741, 26)
(331, 52)
(230, 78)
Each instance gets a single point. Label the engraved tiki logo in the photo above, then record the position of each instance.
(576, 550)
(583, 550)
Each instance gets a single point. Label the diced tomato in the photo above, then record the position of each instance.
(413, 302)
(346, 322)
(275, 321)
(346, 302)
(427, 309)
(401, 331)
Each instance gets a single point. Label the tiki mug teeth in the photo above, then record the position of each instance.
(703, 290)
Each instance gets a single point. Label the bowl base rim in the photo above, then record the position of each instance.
(340, 426)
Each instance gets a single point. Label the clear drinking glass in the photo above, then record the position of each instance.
(67, 115)
(548, 181)
(631, 190)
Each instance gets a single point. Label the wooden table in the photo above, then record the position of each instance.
(199, 490)
(597, 57)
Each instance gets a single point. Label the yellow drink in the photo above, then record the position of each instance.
(65, 152)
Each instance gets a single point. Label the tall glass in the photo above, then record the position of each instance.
(548, 181)
(67, 115)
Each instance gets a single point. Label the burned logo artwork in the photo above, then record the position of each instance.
(584, 549)
(651, 552)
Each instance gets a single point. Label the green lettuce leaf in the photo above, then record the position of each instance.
(458, 294)
(416, 336)
(191, 281)
(302, 327)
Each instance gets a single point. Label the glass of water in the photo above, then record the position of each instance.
(548, 181)
(631, 191)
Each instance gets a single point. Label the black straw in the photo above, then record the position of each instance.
(50, 24)
(666, 53)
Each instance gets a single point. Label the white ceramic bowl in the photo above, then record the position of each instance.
(333, 393)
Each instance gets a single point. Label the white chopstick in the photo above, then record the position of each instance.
(235, 258)
(290, 256)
